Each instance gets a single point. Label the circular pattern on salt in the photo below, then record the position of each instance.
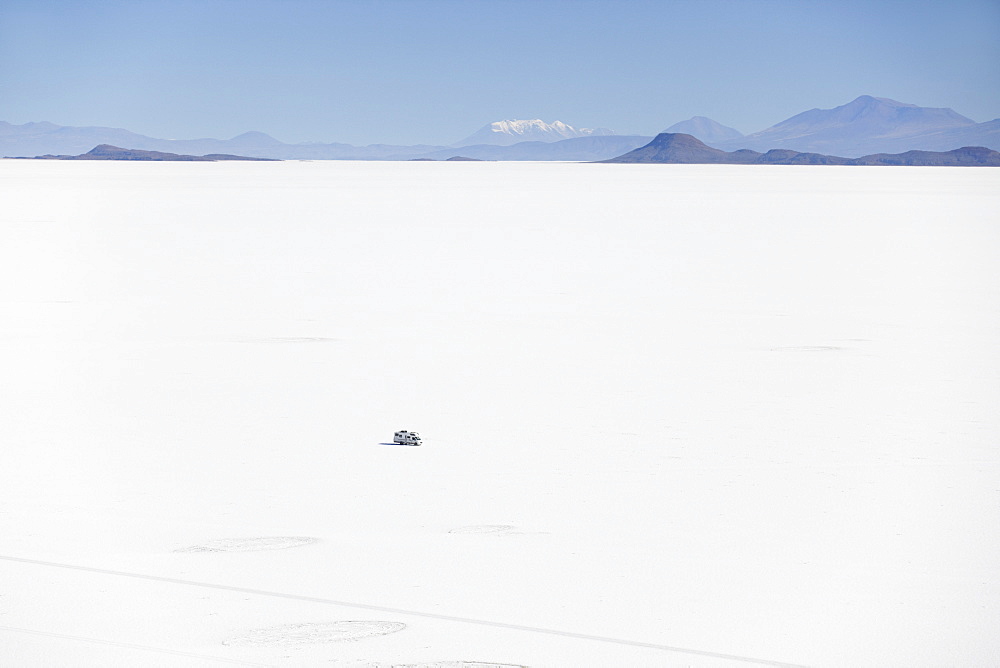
(308, 634)
(457, 664)
(251, 544)
(302, 339)
(485, 528)
(362, 663)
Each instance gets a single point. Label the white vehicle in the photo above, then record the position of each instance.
(406, 438)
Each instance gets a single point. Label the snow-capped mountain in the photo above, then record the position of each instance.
(505, 133)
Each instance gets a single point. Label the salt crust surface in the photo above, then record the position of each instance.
(316, 632)
(744, 411)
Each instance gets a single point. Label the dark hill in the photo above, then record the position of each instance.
(108, 152)
(968, 156)
(783, 156)
(675, 148)
(679, 148)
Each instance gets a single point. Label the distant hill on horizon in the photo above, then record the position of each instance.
(677, 148)
(706, 130)
(577, 149)
(107, 152)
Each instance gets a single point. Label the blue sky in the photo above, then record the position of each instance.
(434, 71)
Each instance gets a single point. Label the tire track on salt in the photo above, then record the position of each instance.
(413, 613)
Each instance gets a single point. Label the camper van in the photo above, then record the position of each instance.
(406, 438)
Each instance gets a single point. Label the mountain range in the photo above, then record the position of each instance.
(36, 139)
(679, 148)
(869, 125)
(864, 126)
